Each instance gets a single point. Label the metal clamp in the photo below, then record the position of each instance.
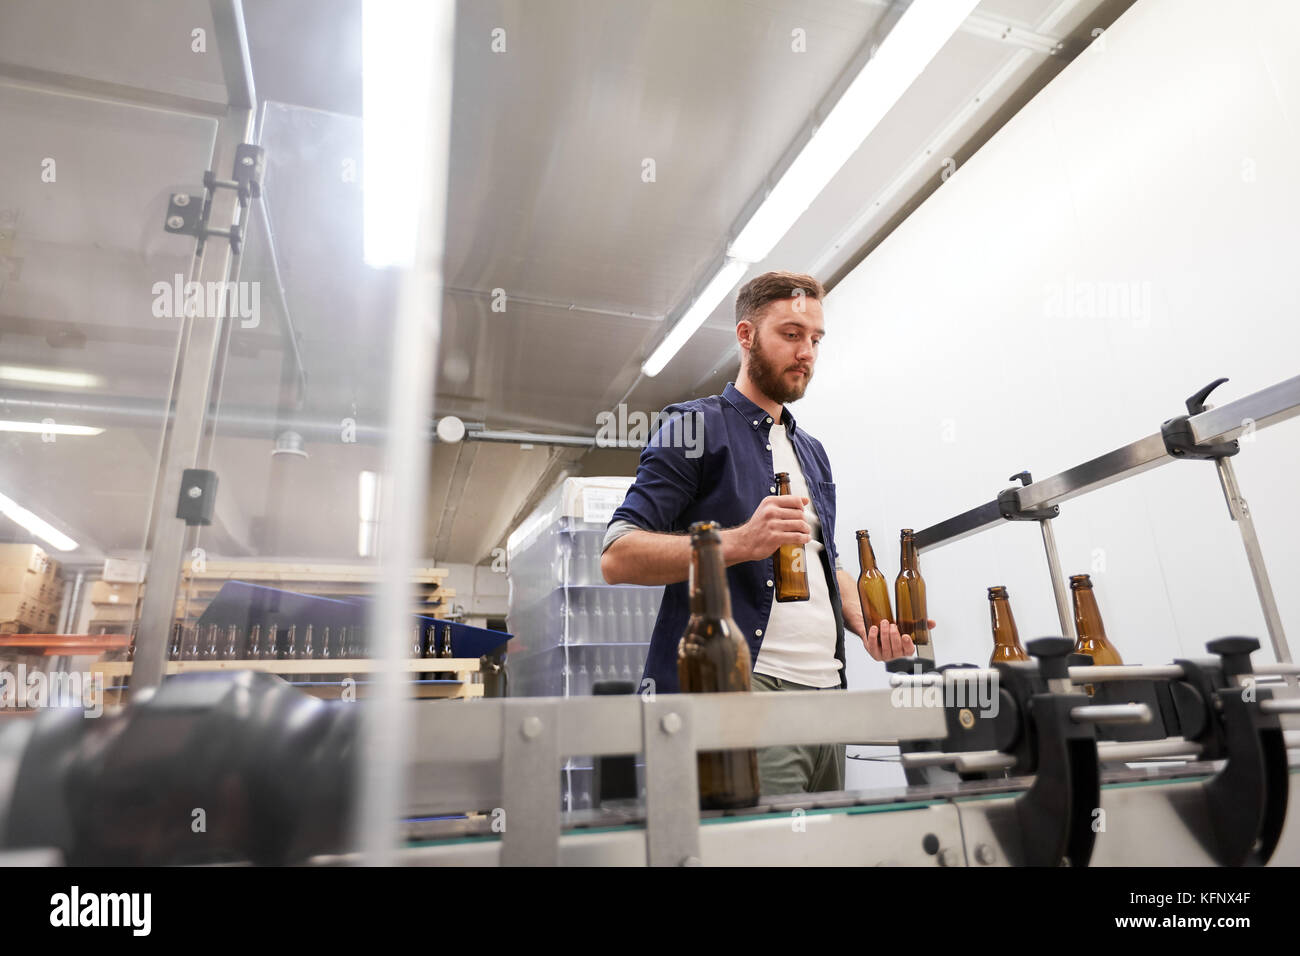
(1179, 440)
(188, 214)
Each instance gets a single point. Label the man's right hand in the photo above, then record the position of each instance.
(778, 520)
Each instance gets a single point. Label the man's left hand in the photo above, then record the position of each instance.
(884, 643)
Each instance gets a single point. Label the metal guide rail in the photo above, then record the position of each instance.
(1027, 750)
(1007, 765)
(1205, 433)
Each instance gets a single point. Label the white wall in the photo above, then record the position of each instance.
(963, 349)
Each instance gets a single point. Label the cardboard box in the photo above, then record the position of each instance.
(37, 615)
(113, 612)
(109, 592)
(27, 556)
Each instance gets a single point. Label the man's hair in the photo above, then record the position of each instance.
(761, 291)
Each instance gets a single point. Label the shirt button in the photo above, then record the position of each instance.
(769, 583)
(759, 632)
(769, 421)
(772, 489)
(769, 447)
(756, 421)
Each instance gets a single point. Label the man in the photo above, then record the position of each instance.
(749, 436)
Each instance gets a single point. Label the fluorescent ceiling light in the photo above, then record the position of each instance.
(401, 41)
(722, 283)
(42, 529)
(909, 47)
(50, 428)
(48, 376)
(367, 513)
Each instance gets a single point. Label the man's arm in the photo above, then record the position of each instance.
(647, 557)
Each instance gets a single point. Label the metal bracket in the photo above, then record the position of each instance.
(672, 782)
(530, 779)
(1179, 440)
(1009, 503)
(198, 497)
(188, 214)
(1055, 814)
(1247, 799)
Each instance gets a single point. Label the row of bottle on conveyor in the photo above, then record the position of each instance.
(213, 642)
(909, 592)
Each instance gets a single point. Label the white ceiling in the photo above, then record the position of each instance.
(547, 202)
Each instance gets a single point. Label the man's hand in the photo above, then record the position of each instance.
(777, 520)
(884, 643)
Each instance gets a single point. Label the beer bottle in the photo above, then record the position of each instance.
(713, 657)
(1087, 624)
(909, 593)
(445, 651)
(1006, 639)
(789, 563)
(873, 586)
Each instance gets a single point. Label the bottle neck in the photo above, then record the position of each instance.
(907, 555)
(866, 555)
(715, 596)
(1087, 616)
(783, 486)
(693, 583)
(1004, 624)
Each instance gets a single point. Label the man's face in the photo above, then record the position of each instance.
(783, 347)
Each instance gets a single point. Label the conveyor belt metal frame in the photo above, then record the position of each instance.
(1268, 406)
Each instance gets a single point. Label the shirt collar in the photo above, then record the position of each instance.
(751, 412)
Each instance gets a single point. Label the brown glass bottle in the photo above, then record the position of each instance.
(1091, 633)
(1006, 639)
(789, 563)
(713, 657)
(873, 586)
(909, 593)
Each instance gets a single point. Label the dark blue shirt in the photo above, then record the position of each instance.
(711, 461)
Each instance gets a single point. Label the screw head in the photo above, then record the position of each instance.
(671, 723)
(246, 160)
(966, 718)
(180, 199)
(194, 491)
(175, 222)
(532, 727)
(985, 854)
(948, 858)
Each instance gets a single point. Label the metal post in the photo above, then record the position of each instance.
(1240, 512)
(1063, 612)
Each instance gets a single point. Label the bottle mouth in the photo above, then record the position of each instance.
(862, 534)
(998, 590)
(1080, 580)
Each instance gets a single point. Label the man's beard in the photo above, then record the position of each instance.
(770, 380)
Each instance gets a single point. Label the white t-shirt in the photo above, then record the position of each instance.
(799, 641)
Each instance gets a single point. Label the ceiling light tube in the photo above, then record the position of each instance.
(42, 529)
(400, 43)
(48, 376)
(49, 428)
(919, 35)
(722, 282)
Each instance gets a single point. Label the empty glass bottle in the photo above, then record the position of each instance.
(789, 563)
(909, 593)
(713, 657)
(1006, 639)
(873, 586)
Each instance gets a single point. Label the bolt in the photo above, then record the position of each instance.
(671, 723)
(948, 858)
(966, 718)
(246, 161)
(532, 727)
(985, 854)
(180, 199)
(194, 491)
(175, 222)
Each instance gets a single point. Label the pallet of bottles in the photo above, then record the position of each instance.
(329, 679)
